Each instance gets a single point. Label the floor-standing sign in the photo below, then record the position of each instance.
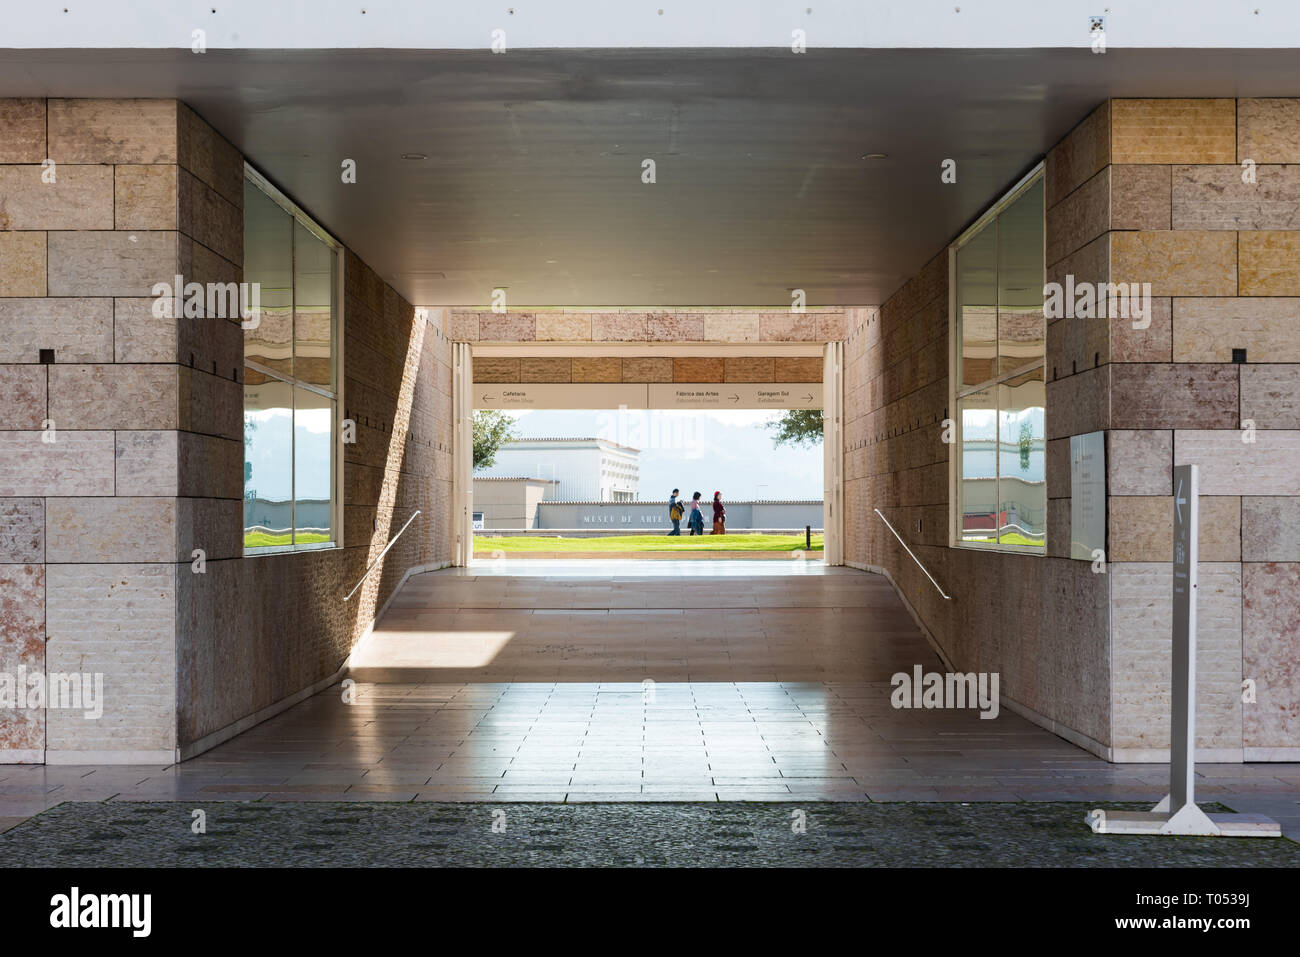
(1177, 813)
(462, 449)
(833, 451)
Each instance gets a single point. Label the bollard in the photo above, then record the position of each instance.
(807, 538)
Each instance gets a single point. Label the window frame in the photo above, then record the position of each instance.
(299, 216)
(957, 390)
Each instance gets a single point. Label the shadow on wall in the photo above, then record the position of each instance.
(260, 629)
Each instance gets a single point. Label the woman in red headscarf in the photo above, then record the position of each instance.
(719, 515)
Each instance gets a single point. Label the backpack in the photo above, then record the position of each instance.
(676, 512)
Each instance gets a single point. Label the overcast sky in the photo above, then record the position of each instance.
(697, 451)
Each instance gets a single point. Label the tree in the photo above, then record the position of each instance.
(797, 427)
(491, 428)
(250, 426)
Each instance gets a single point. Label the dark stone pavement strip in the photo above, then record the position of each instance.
(304, 834)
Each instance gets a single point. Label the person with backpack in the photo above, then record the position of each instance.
(719, 515)
(675, 512)
(696, 521)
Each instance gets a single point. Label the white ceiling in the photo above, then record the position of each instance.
(533, 175)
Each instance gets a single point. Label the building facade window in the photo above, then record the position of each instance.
(291, 376)
(997, 271)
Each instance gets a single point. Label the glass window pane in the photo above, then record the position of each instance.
(313, 473)
(977, 306)
(978, 491)
(268, 261)
(268, 461)
(1022, 458)
(1020, 281)
(313, 296)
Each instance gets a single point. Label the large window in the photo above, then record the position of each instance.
(290, 376)
(999, 332)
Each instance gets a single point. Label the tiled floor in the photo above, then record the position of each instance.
(525, 681)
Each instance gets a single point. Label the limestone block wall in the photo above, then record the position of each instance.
(649, 369)
(121, 442)
(632, 324)
(1197, 198)
(1145, 191)
(1040, 622)
(112, 429)
(256, 630)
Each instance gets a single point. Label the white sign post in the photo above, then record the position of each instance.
(1178, 813)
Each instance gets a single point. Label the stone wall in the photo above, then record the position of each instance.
(1146, 191)
(121, 442)
(1196, 198)
(1039, 622)
(648, 369)
(699, 324)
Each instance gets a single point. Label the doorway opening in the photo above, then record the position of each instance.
(649, 484)
(653, 452)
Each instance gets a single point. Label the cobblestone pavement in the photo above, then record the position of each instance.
(264, 834)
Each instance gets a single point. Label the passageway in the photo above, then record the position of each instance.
(523, 681)
(653, 680)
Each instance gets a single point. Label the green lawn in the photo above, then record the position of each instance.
(265, 539)
(1011, 538)
(649, 543)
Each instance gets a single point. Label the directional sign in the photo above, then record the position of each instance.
(1177, 812)
(1183, 746)
(580, 395)
(735, 395)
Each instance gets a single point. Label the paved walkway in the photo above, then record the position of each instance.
(524, 682)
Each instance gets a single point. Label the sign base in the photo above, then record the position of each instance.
(1189, 821)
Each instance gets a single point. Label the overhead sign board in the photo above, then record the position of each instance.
(550, 395)
(735, 395)
(655, 395)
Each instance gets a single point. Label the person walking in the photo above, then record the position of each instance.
(719, 515)
(675, 512)
(696, 520)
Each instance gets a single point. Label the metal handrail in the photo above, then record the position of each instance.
(391, 543)
(946, 596)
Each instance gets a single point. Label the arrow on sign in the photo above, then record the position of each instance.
(1179, 501)
(808, 397)
(735, 398)
(487, 398)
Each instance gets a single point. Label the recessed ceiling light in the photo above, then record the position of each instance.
(414, 156)
(875, 156)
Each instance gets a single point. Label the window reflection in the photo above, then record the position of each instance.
(268, 261)
(290, 405)
(998, 305)
(268, 465)
(1022, 461)
(977, 307)
(313, 472)
(979, 468)
(313, 294)
(1020, 329)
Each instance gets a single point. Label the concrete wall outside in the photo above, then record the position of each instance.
(649, 515)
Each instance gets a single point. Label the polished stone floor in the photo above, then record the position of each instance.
(534, 681)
